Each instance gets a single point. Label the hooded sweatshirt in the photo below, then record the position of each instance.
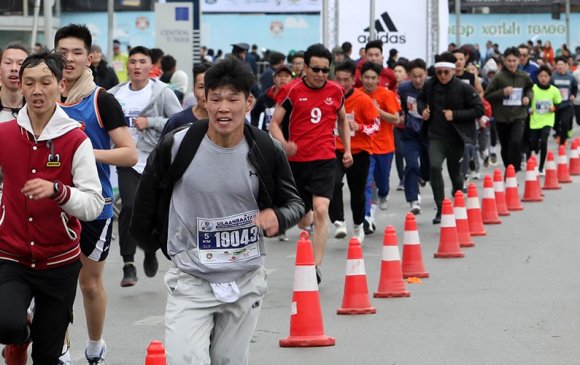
(45, 233)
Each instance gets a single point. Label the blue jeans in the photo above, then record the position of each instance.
(416, 167)
(379, 172)
(399, 153)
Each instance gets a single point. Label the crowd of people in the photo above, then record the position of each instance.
(206, 176)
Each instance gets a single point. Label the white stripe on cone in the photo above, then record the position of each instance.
(472, 203)
(530, 176)
(447, 221)
(460, 213)
(305, 278)
(391, 253)
(355, 267)
(498, 186)
(488, 193)
(562, 160)
(411, 238)
(550, 165)
(511, 182)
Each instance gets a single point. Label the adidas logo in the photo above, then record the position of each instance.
(386, 30)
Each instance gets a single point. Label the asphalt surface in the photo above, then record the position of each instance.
(513, 299)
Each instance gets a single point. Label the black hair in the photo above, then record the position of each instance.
(317, 50)
(231, 73)
(15, 45)
(513, 51)
(418, 63)
(276, 58)
(346, 66)
(140, 49)
(346, 47)
(377, 43)
(459, 50)
(54, 61)
(168, 63)
(523, 45)
(561, 58)
(545, 68)
(371, 66)
(445, 57)
(393, 52)
(199, 68)
(156, 54)
(78, 31)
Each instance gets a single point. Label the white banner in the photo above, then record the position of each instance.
(174, 34)
(261, 6)
(399, 24)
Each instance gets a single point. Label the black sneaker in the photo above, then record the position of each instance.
(486, 161)
(129, 275)
(150, 264)
(437, 218)
(492, 159)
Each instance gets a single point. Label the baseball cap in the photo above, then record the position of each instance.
(283, 68)
(241, 46)
(337, 50)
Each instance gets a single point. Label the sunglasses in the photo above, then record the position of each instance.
(443, 72)
(316, 70)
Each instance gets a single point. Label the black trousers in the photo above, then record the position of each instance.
(54, 293)
(564, 121)
(539, 143)
(128, 181)
(356, 177)
(510, 137)
(440, 151)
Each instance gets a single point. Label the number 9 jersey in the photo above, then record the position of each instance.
(313, 116)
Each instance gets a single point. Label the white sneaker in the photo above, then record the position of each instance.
(476, 175)
(415, 207)
(359, 232)
(99, 359)
(65, 358)
(340, 231)
(542, 173)
(384, 203)
(369, 225)
(282, 237)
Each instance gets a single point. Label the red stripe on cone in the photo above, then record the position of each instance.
(306, 328)
(412, 255)
(356, 292)
(474, 212)
(532, 187)
(563, 172)
(499, 191)
(551, 178)
(461, 222)
(488, 207)
(512, 194)
(448, 241)
(391, 283)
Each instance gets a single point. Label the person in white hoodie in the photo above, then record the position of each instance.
(51, 182)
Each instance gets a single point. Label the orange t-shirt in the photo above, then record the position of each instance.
(367, 118)
(384, 141)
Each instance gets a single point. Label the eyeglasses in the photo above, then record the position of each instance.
(443, 72)
(316, 70)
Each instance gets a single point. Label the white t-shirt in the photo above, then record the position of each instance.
(133, 102)
(6, 115)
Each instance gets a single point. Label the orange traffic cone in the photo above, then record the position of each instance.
(412, 255)
(391, 284)
(575, 158)
(532, 188)
(512, 194)
(499, 192)
(489, 213)
(448, 241)
(551, 178)
(563, 173)
(461, 223)
(306, 328)
(474, 212)
(537, 173)
(155, 354)
(356, 292)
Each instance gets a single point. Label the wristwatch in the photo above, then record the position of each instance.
(56, 187)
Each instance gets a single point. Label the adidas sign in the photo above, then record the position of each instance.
(386, 30)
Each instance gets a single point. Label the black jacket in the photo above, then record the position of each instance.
(104, 76)
(277, 189)
(459, 97)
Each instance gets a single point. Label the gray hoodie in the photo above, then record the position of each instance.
(162, 105)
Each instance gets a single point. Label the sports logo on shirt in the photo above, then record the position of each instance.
(328, 100)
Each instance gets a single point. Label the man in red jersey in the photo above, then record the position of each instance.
(374, 54)
(316, 106)
(363, 119)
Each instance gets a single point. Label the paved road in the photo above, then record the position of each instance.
(513, 299)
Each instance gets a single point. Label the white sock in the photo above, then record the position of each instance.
(492, 149)
(94, 348)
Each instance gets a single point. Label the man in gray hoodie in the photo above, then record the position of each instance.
(147, 104)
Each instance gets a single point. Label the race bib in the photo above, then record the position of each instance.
(543, 106)
(515, 99)
(228, 239)
(412, 107)
(565, 92)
